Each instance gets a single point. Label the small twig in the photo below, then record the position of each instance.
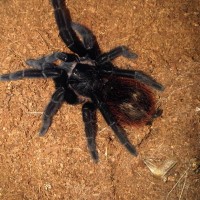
(47, 44)
(35, 112)
(103, 129)
(183, 187)
(176, 90)
(145, 137)
(177, 182)
(106, 153)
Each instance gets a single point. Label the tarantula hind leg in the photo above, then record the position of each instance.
(89, 118)
(51, 109)
(114, 53)
(43, 61)
(137, 75)
(111, 121)
(140, 76)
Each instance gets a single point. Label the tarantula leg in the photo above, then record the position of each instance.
(140, 76)
(89, 118)
(41, 62)
(31, 73)
(114, 53)
(51, 109)
(66, 32)
(137, 75)
(88, 40)
(86, 35)
(71, 97)
(111, 121)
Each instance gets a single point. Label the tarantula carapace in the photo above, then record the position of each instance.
(89, 77)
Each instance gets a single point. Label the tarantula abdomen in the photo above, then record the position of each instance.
(131, 102)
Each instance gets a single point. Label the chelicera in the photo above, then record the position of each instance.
(87, 76)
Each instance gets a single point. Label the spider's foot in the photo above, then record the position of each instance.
(92, 149)
(42, 131)
(45, 126)
(127, 53)
(131, 149)
(34, 63)
(146, 79)
(95, 156)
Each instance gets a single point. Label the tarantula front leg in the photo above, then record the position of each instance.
(31, 73)
(43, 61)
(51, 109)
(86, 35)
(88, 40)
(114, 53)
(89, 118)
(66, 32)
(111, 121)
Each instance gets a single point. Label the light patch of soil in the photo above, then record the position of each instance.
(165, 35)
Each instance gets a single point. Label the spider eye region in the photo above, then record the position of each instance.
(84, 79)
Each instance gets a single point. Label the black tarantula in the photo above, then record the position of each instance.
(89, 77)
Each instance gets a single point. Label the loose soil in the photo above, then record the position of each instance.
(165, 35)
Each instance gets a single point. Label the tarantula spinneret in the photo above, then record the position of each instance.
(89, 77)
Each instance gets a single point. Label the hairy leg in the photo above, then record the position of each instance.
(86, 35)
(63, 20)
(111, 121)
(88, 40)
(31, 73)
(89, 118)
(140, 76)
(137, 75)
(51, 109)
(114, 53)
(42, 62)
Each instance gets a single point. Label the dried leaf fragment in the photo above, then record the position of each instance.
(160, 171)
